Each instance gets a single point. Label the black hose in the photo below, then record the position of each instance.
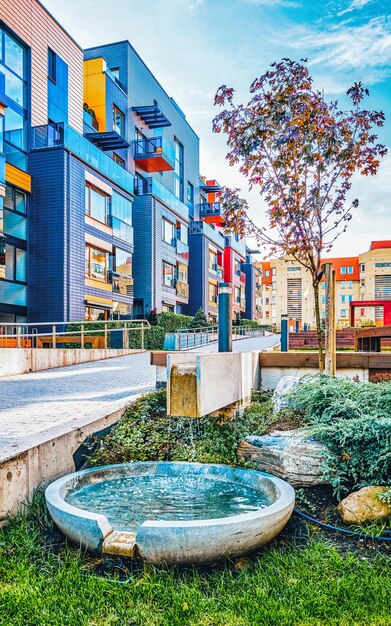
(346, 531)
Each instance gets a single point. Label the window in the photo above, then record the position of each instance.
(274, 285)
(118, 121)
(178, 172)
(350, 284)
(237, 294)
(168, 274)
(274, 271)
(14, 55)
(237, 267)
(13, 214)
(96, 315)
(212, 293)
(362, 282)
(343, 298)
(96, 263)
(323, 299)
(212, 259)
(52, 74)
(363, 267)
(96, 204)
(267, 273)
(323, 285)
(343, 284)
(267, 300)
(123, 262)
(343, 269)
(350, 269)
(350, 298)
(182, 273)
(273, 299)
(323, 313)
(190, 194)
(343, 312)
(168, 232)
(117, 159)
(121, 208)
(13, 262)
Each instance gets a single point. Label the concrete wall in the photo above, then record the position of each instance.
(271, 375)
(46, 461)
(23, 360)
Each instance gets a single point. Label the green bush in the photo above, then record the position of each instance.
(171, 322)
(354, 420)
(199, 320)
(146, 433)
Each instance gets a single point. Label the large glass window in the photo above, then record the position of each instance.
(14, 55)
(168, 274)
(96, 263)
(178, 173)
(123, 262)
(15, 129)
(96, 315)
(190, 194)
(96, 204)
(168, 231)
(13, 214)
(118, 121)
(121, 208)
(52, 65)
(13, 262)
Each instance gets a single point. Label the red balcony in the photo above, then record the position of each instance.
(154, 155)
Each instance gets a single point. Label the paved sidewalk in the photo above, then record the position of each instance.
(32, 404)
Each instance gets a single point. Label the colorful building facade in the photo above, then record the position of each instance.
(287, 288)
(102, 209)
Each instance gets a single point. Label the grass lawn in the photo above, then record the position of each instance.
(44, 582)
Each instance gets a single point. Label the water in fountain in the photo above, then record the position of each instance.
(129, 501)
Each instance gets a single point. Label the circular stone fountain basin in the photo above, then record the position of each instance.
(169, 512)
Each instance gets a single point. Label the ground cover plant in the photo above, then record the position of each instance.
(354, 420)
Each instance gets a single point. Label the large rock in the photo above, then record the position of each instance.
(291, 454)
(364, 506)
(285, 386)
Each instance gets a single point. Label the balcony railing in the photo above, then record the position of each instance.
(182, 248)
(202, 228)
(237, 246)
(143, 186)
(154, 155)
(182, 289)
(121, 230)
(90, 120)
(211, 212)
(63, 136)
(218, 269)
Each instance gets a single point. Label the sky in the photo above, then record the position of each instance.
(194, 46)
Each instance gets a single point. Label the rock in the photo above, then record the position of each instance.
(285, 386)
(364, 506)
(291, 454)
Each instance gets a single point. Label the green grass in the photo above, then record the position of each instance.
(44, 582)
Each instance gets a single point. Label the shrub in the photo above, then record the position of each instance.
(354, 421)
(171, 322)
(146, 433)
(199, 320)
(381, 377)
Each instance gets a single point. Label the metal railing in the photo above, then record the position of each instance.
(197, 337)
(98, 334)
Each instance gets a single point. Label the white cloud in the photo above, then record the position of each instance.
(342, 47)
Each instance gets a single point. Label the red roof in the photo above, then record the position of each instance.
(340, 262)
(378, 245)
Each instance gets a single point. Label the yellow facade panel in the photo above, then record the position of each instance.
(95, 89)
(17, 177)
(98, 284)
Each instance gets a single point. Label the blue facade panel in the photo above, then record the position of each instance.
(58, 93)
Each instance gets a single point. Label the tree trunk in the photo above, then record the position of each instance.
(318, 325)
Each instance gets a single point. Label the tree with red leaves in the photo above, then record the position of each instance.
(301, 152)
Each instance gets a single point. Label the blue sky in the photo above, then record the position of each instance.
(193, 46)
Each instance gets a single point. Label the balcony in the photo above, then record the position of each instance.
(210, 212)
(152, 116)
(202, 228)
(218, 269)
(143, 186)
(121, 230)
(182, 289)
(238, 246)
(154, 155)
(63, 136)
(90, 120)
(181, 248)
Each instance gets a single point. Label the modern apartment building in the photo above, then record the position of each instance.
(102, 208)
(287, 288)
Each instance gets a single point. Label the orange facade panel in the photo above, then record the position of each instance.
(154, 163)
(40, 31)
(381, 245)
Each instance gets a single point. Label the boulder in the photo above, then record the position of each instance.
(285, 386)
(364, 506)
(291, 455)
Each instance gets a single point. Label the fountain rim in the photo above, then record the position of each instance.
(284, 496)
